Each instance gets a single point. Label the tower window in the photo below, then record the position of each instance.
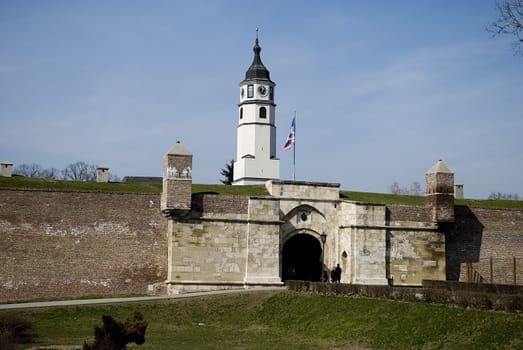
(263, 112)
(241, 113)
(250, 91)
(271, 93)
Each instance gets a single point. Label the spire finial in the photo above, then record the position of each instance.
(257, 70)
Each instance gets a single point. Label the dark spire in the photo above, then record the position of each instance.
(257, 70)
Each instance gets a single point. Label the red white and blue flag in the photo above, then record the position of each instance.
(291, 139)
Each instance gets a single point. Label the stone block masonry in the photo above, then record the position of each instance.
(71, 243)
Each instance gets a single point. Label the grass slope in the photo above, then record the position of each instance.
(257, 190)
(288, 320)
(384, 198)
(33, 183)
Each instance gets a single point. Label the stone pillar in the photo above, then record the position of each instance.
(263, 243)
(369, 243)
(440, 192)
(7, 168)
(102, 174)
(177, 180)
(458, 192)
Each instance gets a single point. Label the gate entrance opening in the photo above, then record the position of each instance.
(301, 258)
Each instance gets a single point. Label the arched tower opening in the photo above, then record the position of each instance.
(301, 258)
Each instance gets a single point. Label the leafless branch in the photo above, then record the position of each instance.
(510, 21)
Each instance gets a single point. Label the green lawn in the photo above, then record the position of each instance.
(288, 320)
(33, 183)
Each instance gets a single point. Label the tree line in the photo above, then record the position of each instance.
(78, 171)
(415, 190)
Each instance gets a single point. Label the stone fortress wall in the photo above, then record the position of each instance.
(491, 240)
(71, 243)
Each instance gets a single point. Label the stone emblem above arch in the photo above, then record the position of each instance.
(302, 213)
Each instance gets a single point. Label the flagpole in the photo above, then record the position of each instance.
(294, 152)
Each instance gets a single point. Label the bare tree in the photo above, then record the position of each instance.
(510, 21)
(37, 171)
(413, 190)
(51, 173)
(395, 188)
(499, 195)
(114, 177)
(29, 170)
(79, 171)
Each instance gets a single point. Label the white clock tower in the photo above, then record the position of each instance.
(256, 160)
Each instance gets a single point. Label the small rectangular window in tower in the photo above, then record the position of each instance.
(250, 91)
(271, 93)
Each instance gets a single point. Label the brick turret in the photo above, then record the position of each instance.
(440, 192)
(177, 180)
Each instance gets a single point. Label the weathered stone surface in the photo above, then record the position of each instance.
(479, 234)
(302, 189)
(70, 243)
(440, 192)
(177, 179)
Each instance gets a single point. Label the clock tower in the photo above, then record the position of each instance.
(256, 160)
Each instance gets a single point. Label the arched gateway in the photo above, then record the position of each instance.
(301, 258)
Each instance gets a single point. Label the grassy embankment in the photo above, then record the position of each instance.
(382, 198)
(288, 320)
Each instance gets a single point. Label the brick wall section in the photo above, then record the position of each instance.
(396, 212)
(177, 188)
(440, 196)
(176, 194)
(442, 207)
(68, 243)
(209, 203)
(480, 233)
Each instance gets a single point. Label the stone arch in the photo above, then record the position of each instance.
(301, 256)
(303, 207)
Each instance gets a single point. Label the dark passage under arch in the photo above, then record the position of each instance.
(301, 258)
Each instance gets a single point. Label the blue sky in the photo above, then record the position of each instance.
(382, 89)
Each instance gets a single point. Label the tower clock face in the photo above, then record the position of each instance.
(262, 90)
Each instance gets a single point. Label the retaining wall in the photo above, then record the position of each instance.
(72, 243)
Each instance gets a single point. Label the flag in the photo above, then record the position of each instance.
(291, 139)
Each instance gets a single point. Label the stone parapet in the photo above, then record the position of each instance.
(304, 190)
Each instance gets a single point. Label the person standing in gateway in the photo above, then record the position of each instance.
(337, 274)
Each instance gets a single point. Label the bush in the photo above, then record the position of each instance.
(114, 335)
(15, 330)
